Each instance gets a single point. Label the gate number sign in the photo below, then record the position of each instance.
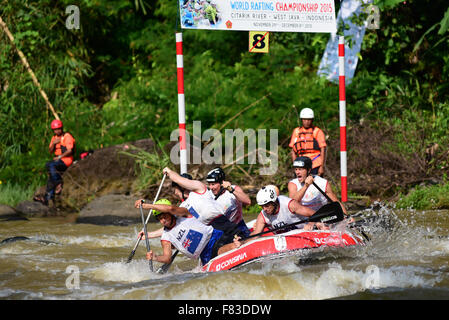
(259, 41)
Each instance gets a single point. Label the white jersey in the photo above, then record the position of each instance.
(189, 236)
(313, 198)
(203, 206)
(231, 206)
(284, 216)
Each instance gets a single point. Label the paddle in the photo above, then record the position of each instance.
(131, 255)
(164, 268)
(329, 213)
(147, 242)
(330, 200)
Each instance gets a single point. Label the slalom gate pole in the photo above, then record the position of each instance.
(181, 105)
(342, 107)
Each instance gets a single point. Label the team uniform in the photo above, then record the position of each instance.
(209, 212)
(193, 238)
(312, 198)
(233, 210)
(284, 216)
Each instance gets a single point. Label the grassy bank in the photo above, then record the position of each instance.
(12, 193)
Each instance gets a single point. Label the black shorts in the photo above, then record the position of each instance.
(229, 229)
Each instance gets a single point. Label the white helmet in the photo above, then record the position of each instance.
(265, 195)
(306, 113)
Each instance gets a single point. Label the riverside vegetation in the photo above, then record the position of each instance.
(114, 80)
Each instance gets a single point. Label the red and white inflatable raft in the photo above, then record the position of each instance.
(273, 246)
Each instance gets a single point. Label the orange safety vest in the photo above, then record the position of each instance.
(67, 142)
(308, 143)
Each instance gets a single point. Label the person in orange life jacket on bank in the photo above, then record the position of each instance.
(309, 140)
(302, 189)
(231, 197)
(187, 234)
(62, 145)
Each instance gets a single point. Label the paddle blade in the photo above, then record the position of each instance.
(164, 268)
(131, 256)
(329, 213)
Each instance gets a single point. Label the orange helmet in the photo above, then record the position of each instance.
(56, 124)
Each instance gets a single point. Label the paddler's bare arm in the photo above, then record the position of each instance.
(191, 185)
(299, 209)
(258, 228)
(166, 253)
(153, 234)
(296, 194)
(177, 211)
(238, 193)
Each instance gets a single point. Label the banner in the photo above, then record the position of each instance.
(245, 15)
(329, 63)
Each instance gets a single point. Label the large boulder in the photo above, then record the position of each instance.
(7, 211)
(112, 209)
(105, 171)
(33, 209)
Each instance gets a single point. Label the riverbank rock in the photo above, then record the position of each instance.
(8, 213)
(105, 171)
(112, 209)
(33, 209)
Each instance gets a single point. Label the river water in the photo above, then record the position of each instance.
(65, 260)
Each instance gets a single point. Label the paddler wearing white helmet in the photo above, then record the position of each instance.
(187, 234)
(277, 211)
(308, 140)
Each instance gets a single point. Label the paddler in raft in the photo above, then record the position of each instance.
(303, 190)
(189, 235)
(231, 197)
(278, 211)
(199, 201)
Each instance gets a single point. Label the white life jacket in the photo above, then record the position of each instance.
(313, 198)
(203, 206)
(231, 206)
(189, 236)
(284, 216)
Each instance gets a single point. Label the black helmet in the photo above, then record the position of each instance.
(302, 162)
(185, 175)
(216, 175)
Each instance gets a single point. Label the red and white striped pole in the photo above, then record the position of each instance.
(342, 94)
(181, 105)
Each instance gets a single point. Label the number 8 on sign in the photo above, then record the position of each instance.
(258, 41)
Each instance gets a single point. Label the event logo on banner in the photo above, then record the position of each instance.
(329, 63)
(245, 15)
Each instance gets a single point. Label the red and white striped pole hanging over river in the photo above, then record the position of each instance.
(181, 105)
(342, 105)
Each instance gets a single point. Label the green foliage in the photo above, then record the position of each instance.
(114, 80)
(426, 198)
(149, 165)
(12, 193)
